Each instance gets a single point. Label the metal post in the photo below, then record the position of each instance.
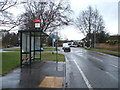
(34, 46)
(56, 47)
(26, 45)
(40, 45)
(30, 46)
(52, 46)
(21, 49)
(57, 51)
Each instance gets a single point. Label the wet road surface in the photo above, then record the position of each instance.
(90, 69)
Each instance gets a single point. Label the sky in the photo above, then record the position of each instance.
(107, 8)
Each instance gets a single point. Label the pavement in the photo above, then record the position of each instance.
(44, 74)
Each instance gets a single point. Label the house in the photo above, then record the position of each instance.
(114, 37)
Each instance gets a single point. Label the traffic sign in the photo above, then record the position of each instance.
(37, 21)
(52, 36)
(37, 25)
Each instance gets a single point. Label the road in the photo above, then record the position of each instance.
(2, 50)
(90, 69)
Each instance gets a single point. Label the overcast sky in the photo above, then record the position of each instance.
(107, 8)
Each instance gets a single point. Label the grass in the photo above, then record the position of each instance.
(49, 49)
(103, 51)
(52, 57)
(11, 60)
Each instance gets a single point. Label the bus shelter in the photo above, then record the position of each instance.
(30, 46)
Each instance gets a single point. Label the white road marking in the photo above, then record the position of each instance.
(92, 57)
(84, 77)
(114, 65)
(111, 75)
(96, 58)
(101, 53)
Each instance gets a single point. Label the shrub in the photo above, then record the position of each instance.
(112, 42)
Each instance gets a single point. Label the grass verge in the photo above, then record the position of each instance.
(52, 57)
(49, 49)
(103, 51)
(11, 60)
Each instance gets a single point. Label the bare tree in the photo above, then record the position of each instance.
(52, 15)
(5, 16)
(4, 6)
(89, 21)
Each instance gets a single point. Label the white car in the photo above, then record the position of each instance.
(73, 45)
(66, 47)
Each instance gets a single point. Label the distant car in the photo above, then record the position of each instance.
(66, 48)
(73, 45)
(39, 49)
(65, 44)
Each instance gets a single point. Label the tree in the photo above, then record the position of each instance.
(89, 22)
(102, 37)
(5, 16)
(10, 39)
(4, 6)
(52, 15)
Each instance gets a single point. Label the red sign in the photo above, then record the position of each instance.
(37, 20)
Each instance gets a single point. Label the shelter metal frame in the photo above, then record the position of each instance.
(30, 36)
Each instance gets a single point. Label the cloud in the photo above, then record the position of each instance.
(71, 33)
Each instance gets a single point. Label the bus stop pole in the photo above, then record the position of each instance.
(52, 46)
(40, 45)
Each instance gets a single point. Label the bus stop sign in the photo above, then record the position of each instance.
(37, 20)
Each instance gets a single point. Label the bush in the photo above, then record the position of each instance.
(112, 42)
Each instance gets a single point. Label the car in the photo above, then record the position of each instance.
(66, 47)
(73, 45)
(65, 44)
(39, 49)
